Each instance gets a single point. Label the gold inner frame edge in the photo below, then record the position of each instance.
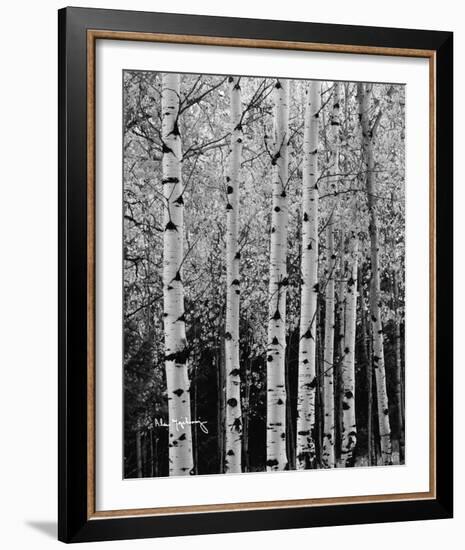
(92, 36)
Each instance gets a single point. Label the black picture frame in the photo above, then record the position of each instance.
(74, 522)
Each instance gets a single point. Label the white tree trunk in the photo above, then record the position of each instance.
(341, 294)
(328, 451)
(349, 428)
(276, 346)
(364, 93)
(233, 462)
(399, 389)
(328, 455)
(176, 350)
(306, 384)
(340, 317)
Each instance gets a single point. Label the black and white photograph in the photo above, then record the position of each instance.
(263, 274)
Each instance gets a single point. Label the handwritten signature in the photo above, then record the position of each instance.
(181, 424)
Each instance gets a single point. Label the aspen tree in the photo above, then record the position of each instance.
(349, 428)
(233, 462)
(366, 347)
(176, 348)
(328, 451)
(368, 130)
(398, 378)
(329, 436)
(306, 383)
(276, 341)
(340, 323)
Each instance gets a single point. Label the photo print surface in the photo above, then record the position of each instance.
(263, 271)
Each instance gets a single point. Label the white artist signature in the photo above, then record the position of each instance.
(181, 424)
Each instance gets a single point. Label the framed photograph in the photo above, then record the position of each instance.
(255, 286)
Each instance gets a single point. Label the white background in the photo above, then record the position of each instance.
(28, 273)
(114, 493)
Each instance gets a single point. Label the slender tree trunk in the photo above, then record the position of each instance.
(152, 458)
(138, 454)
(372, 398)
(320, 381)
(329, 438)
(246, 416)
(176, 349)
(290, 439)
(335, 136)
(305, 453)
(349, 428)
(368, 370)
(221, 415)
(399, 388)
(338, 382)
(233, 459)
(144, 442)
(328, 456)
(155, 454)
(370, 415)
(276, 345)
(195, 432)
(364, 93)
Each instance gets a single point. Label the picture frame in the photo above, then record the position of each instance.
(78, 518)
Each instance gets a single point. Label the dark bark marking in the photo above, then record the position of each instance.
(170, 226)
(165, 149)
(236, 424)
(276, 315)
(179, 357)
(175, 130)
(170, 180)
(308, 334)
(312, 384)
